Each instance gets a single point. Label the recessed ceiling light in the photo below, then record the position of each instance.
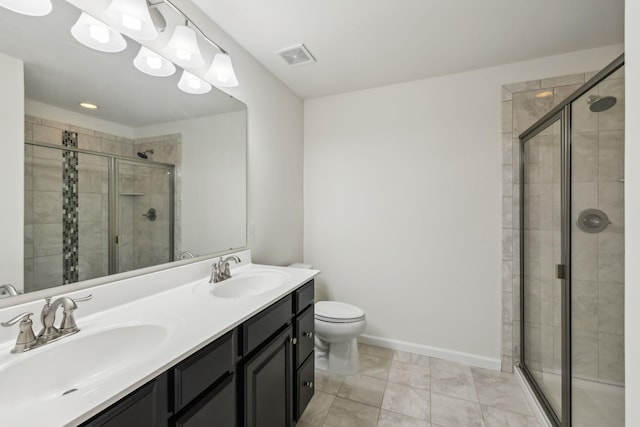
(88, 105)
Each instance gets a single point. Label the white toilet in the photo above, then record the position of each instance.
(337, 327)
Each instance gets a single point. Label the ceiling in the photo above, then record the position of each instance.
(368, 43)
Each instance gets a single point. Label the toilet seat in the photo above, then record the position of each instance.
(337, 312)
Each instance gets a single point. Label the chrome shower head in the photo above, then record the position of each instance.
(598, 104)
(144, 154)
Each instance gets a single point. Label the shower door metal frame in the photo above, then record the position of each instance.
(561, 112)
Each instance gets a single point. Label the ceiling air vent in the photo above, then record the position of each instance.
(296, 55)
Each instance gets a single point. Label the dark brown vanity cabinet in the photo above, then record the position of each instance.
(258, 375)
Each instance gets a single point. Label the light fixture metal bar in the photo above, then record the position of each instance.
(193, 24)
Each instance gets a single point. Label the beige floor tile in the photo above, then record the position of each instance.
(449, 366)
(454, 383)
(451, 412)
(374, 366)
(346, 413)
(406, 400)
(408, 374)
(328, 383)
(373, 350)
(500, 390)
(363, 389)
(414, 359)
(494, 417)
(318, 408)
(392, 419)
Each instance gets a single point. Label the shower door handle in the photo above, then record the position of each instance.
(561, 271)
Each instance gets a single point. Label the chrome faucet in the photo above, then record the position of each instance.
(8, 290)
(49, 333)
(220, 270)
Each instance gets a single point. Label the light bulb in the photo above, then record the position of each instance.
(153, 64)
(192, 84)
(99, 33)
(221, 71)
(94, 34)
(131, 22)
(183, 49)
(131, 17)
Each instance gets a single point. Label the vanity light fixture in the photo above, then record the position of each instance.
(153, 64)
(221, 71)
(94, 34)
(28, 7)
(192, 84)
(88, 105)
(131, 18)
(183, 48)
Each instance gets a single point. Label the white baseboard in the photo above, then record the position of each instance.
(531, 398)
(441, 353)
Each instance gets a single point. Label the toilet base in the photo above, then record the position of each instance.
(338, 357)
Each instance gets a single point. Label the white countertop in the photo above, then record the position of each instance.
(190, 316)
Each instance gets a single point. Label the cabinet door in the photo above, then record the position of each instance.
(304, 385)
(268, 383)
(145, 407)
(304, 330)
(216, 408)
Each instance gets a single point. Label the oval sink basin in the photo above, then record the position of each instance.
(63, 368)
(249, 283)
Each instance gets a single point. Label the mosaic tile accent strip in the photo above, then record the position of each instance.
(70, 209)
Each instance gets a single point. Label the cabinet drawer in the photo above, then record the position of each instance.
(261, 326)
(215, 408)
(304, 385)
(195, 374)
(304, 296)
(304, 332)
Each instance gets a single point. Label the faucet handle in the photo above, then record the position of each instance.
(26, 338)
(68, 324)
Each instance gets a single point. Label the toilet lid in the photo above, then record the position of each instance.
(332, 311)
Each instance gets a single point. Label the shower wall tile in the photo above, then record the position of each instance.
(507, 149)
(584, 354)
(505, 94)
(516, 298)
(507, 180)
(28, 240)
(507, 339)
(611, 202)
(507, 212)
(47, 174)
(589, 75)
(523, 86)
(563, 92)
(91, 264)
(584, 196)
(611, 156)
(28, 207)
(611, 257)
(582, 119)
(507, 114)
(527, 109)
(90, 207)
(613, 118)
(584, 305)
(46, 239)
(47, 271)
(584, 257)
(507, 245)
(47, 206)
(47, 134)
(584, 157)
(507, 276)
(507, 304)
(90, 236)
(92, 178)
(611, 308)
(28, 132)
(28, 275)
(611, 357)
(572, 79)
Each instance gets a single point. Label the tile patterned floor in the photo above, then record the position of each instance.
(398, 389)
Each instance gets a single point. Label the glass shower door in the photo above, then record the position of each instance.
(144, 221)
(541, 245)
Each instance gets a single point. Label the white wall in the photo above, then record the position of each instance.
(212, 149)
(632, 212)
(12, 171)
(275, 134)
(403, 203)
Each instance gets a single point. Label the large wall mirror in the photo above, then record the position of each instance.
(151, 176)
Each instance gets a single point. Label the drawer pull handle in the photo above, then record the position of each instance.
(308, 384)
(308, 334)
(293, 341)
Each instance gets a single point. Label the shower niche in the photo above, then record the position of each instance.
(94, 212)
